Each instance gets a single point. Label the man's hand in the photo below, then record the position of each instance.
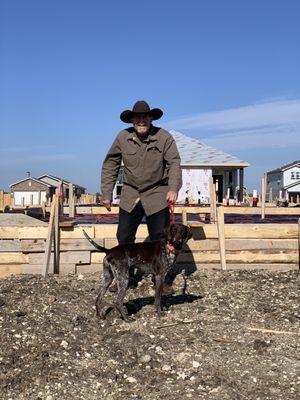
(171, 198)
(107, 204)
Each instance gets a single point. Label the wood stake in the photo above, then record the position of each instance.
(56, 236)
(71, 201)
(299, 242)
(263, 196)
(221, 235)
(213, 206)
(184, 216)
(50, 237)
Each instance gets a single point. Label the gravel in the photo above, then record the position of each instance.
(209, 343)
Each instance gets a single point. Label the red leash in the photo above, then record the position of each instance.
(172, 206)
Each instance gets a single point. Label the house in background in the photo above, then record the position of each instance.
(199, 162)
(55, 182)
(40, 190)
(284, 180)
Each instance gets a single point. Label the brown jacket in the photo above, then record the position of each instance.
(151, 169)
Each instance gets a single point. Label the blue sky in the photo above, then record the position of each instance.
(224, 72)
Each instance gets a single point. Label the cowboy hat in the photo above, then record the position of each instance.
(140, 107)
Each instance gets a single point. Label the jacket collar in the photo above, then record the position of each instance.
(152, 137)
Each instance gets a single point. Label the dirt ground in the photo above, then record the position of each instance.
(207, 345)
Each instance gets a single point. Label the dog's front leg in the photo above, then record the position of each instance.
(159, 281)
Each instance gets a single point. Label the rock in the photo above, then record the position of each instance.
(145, 358)
(64, 344)
(181, 357)
(131, 379)
(196, 364)
(166, 368)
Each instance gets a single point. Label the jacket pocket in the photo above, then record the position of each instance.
(129, 158)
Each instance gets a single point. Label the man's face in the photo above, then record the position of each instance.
(142, 123)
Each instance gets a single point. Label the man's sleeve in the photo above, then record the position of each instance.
(173, 164)
(110, 169)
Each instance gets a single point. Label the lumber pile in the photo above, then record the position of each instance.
(269, 246)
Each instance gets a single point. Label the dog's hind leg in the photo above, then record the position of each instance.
(159, 282)
(107, 279)
(122, 283)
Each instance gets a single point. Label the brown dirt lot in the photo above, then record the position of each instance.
(203, 347)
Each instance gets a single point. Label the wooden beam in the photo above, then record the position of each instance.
(299, 242)
(263, 196)
(221, 235)
(213, 206)
(67, 257)
(184, 216)
(48, 246)
(71, 201)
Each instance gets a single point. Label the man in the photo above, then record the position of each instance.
(152, 174)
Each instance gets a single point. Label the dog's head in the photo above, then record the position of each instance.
(178, 234)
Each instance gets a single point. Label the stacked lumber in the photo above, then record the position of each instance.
(269, 246)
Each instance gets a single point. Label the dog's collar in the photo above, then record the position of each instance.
(172, 249)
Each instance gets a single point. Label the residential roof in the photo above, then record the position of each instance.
(285, 167)
(55, 178)
(33, 179)
(195, 153)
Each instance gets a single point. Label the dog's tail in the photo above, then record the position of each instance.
(96, 245)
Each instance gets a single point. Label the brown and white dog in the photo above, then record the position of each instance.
(156, 257)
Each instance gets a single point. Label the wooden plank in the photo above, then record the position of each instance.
(12, 269)
(9, 245)
(242, 257)
(248, 231)
(230, 244)
(67, 257)
(270, 210)
(57, 218)
(221, 234)
(240, 266)
(110, 231)
(97, 257)
(242, 244)
(209, 231)
(13, 258)
(90, 268)
(38, 245)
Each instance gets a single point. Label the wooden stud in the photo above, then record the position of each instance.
(71, 201)
(221, 235)
(57, 231)
(263, 196)
(299, 242)
(49, 240)
(184, 216)
(213, 206)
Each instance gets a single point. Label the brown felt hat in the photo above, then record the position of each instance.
(140, 107)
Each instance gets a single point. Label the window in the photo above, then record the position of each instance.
(292, 175)
(297, 175)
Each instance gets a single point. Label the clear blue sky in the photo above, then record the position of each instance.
(225, 72)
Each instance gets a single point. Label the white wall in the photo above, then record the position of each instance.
(287, 179)
(26, 195)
